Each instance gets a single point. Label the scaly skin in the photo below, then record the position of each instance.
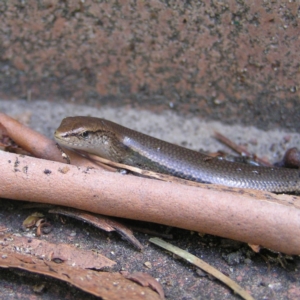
(120, 144)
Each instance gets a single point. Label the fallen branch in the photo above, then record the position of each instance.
(261, 218)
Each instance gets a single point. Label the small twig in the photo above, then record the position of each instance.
(240, 149)
(203, 265)
(144, 173)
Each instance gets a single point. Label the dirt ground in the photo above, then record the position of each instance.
(265, 275)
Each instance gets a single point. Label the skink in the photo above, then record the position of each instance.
(120, 144)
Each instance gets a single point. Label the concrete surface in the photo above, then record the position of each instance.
(235, 61)
(192, 132)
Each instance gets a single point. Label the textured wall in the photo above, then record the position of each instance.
(231, 60)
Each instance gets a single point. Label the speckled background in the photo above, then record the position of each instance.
(237, 61)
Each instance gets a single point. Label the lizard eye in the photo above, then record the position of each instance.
(85, 134)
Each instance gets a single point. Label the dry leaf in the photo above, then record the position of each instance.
(255, 248)
(71, 255)
(106, 285)
(31, 220)
(145, 279)
(103, 222)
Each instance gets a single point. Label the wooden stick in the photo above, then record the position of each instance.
(272, 221)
